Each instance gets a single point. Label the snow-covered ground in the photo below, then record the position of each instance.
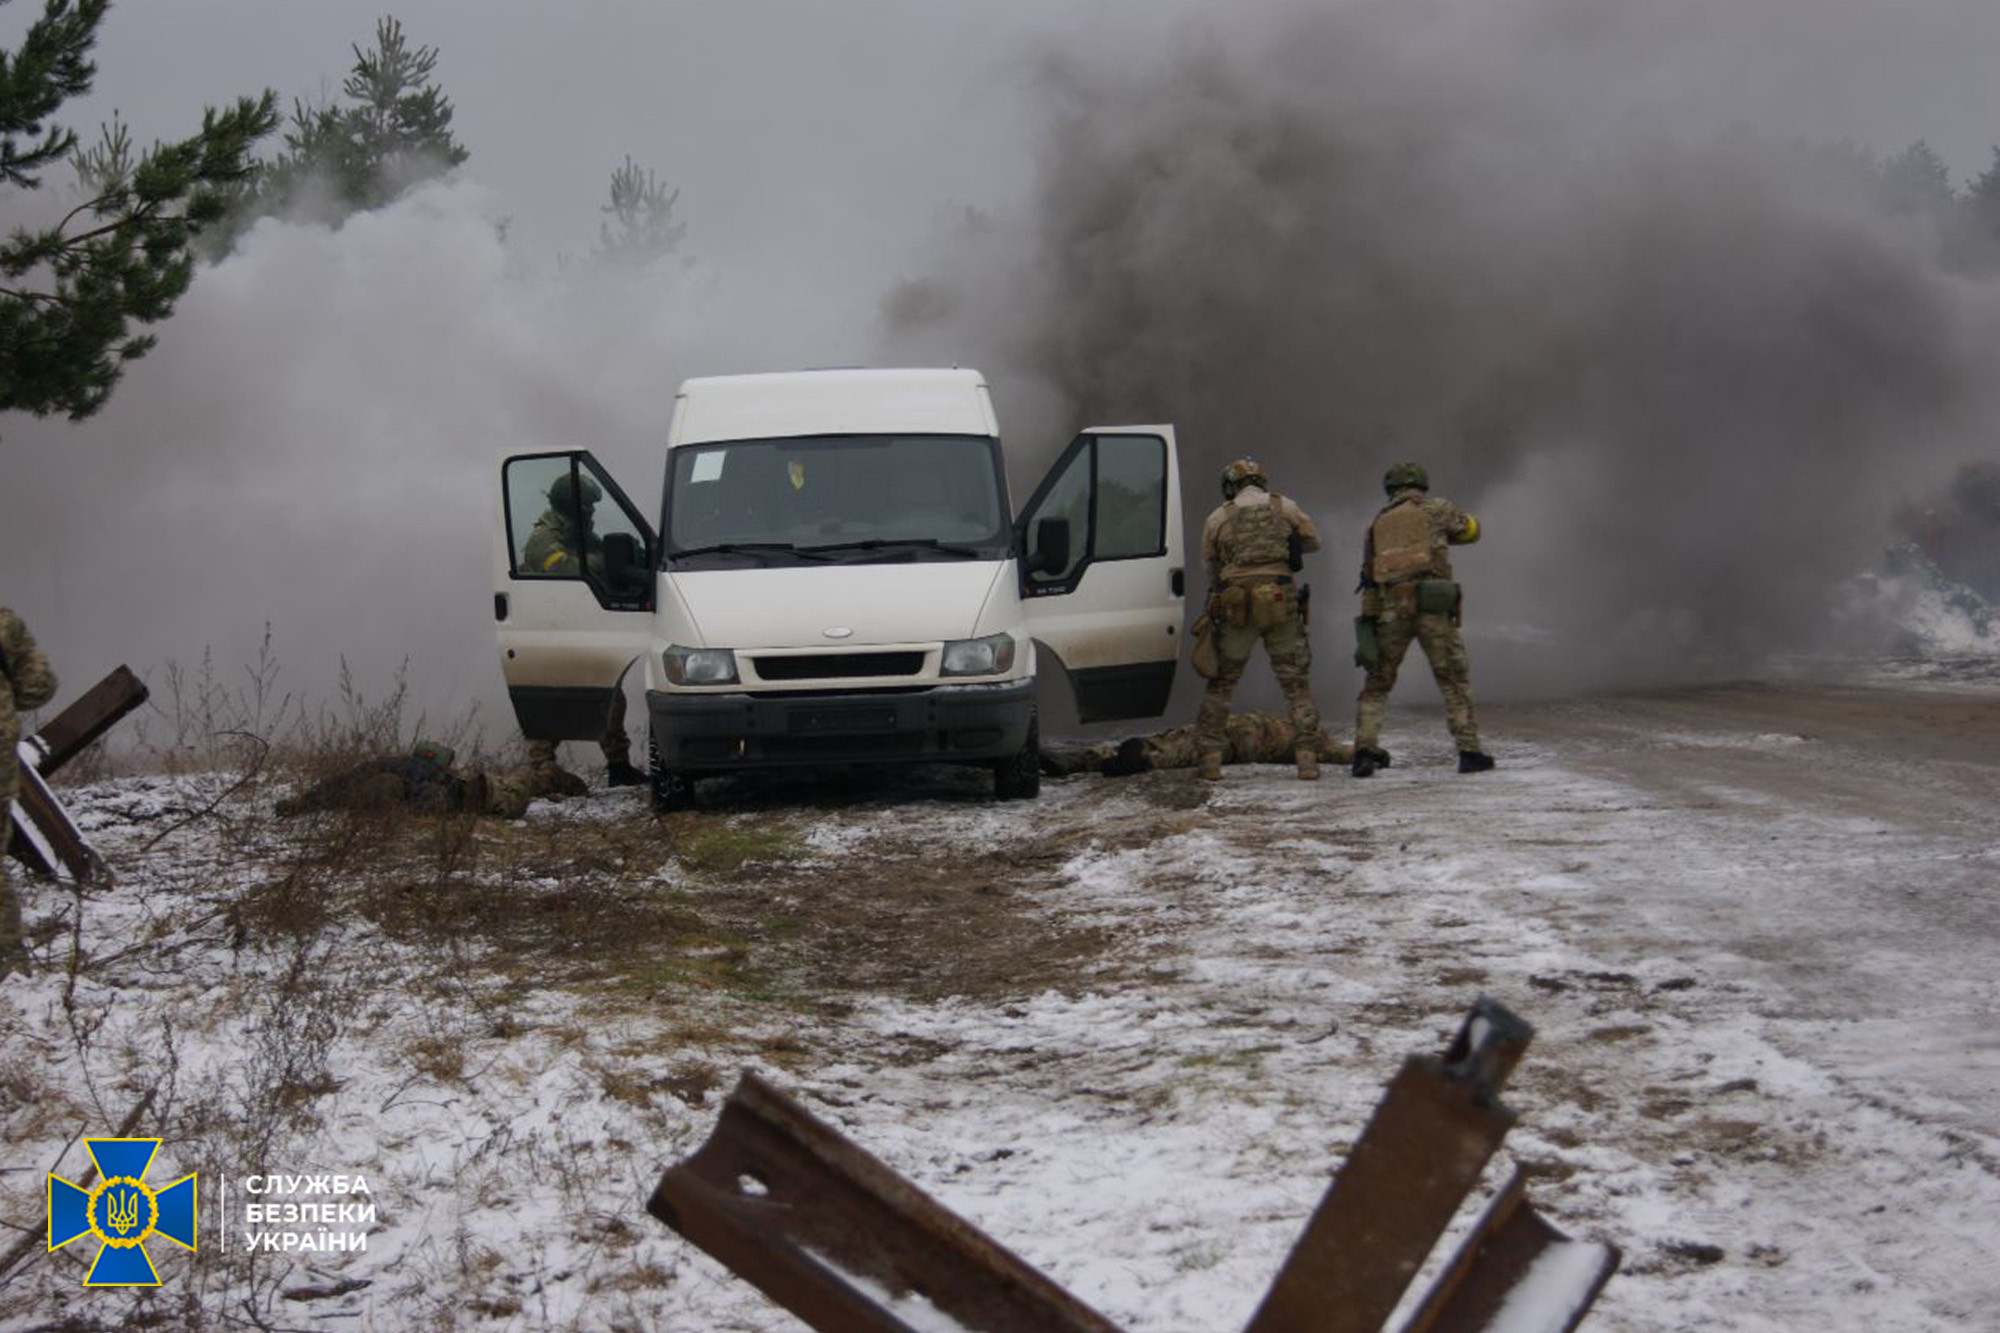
(1754, 926)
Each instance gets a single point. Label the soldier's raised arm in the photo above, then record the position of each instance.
(1301, 520)
(1460, 528)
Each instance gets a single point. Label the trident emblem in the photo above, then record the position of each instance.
(125, 1210)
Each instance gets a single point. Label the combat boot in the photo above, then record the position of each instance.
(1211, 766)
(620, 773)
(1308, 761)
(1474, 761)
(1131, 758)
(1367, 759)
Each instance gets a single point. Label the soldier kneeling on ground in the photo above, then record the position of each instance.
(1249, 738)
(424, 781)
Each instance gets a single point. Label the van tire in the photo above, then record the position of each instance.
(672, 789)
(1019, 777)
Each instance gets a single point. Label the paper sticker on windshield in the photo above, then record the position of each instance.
(708, 466)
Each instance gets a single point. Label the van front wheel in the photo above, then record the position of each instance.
(672, 789)
(1019, 776)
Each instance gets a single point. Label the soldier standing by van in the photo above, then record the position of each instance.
(1407, 592)
(25, 682)
(562, 542)
(1251, 545)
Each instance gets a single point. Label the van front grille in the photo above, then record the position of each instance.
(829, 666)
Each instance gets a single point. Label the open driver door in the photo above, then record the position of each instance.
(573, 584)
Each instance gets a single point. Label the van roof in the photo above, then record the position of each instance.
(832, 402)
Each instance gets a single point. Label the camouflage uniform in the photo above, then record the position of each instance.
(424, 781)
(1270, 612)
(1251, 738)
(551, 549)
(25, 682)
(1392, 605)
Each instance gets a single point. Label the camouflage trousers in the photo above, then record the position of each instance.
(613, 743)
(507, 795)
(1291, 663)
(1445, 647)
(1250, 738)
(386, 784)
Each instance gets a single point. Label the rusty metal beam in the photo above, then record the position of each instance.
(1515, 1270)
(843, 1242)
(88, 716)
(847, 1245)
(43, 837)
(1421, 1154)
(51, 839)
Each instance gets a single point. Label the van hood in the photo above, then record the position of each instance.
(916, 602)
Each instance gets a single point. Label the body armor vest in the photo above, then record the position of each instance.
(1256, 535)
(1402, 540)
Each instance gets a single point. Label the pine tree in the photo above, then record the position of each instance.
(1982, 203)
(639, 224)
(71, 292)
(392, 132)
(1916, 180)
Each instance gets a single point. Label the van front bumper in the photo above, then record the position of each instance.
(709, 733)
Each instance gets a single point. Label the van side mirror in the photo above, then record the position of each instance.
(1050, 553)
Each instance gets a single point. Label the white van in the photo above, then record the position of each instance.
(837, 577)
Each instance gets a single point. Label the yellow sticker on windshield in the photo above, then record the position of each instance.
(798, 472)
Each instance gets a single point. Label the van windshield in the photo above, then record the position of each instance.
(824, 498)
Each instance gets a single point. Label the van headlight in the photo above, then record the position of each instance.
(990, 656)
(700, 666)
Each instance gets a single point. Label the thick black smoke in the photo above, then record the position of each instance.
(1683, 376)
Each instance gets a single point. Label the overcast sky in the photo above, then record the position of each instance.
(789, 123)
(312, 442)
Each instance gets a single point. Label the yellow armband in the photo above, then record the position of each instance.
(554, 560)
(1471, 534)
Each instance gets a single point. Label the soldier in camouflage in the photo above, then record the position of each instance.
(1251, 738)
(424, 781)
(26, 682)
(1408, 593)
(1250, 546)
(562, 542)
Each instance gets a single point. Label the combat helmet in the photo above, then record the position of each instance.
(1406, 476)
(1243, 472)
(564, 489)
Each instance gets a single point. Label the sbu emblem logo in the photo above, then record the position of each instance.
(122, 1212)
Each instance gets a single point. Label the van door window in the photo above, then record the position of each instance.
(567, 520)
(1131, 497)
(1112, 492)
(1065, 496)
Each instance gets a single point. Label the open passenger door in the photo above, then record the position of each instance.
(573, 581)
(1102, 571)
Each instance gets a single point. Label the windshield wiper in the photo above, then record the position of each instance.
(746, 548)
(902, 543)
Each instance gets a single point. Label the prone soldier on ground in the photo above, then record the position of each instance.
(26, 682)
(1408, 594)
(1251, 738)
(424, 781)
(1252, 545)
(563, 541)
